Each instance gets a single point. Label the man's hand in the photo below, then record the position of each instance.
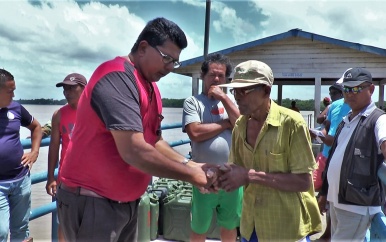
(216, 92)
(212, 176)
(51, 187)
(312, 134)
(232, 177)
(322, 202)
(28, 159)
(206, 172)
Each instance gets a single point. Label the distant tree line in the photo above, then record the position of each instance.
(303, 105)
(166, 102)
(172, 103)
(42, 101)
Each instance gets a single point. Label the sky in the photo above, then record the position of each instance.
(43, 41)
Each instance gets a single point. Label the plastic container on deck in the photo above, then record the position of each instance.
(161, 193)
(176, 218)
(171, 187)
(144, 218)
(154, 215)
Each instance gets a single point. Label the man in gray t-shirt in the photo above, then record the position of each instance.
(214, 147)
(208, 119)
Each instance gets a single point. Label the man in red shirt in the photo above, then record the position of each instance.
(117, 141)
(62, 125)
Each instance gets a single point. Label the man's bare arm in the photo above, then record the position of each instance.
(199, 132)
(135, 151)
(237, 176)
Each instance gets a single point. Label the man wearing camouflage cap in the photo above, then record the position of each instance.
(272, 158)
(62, 125)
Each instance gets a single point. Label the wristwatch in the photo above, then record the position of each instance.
(185, 161)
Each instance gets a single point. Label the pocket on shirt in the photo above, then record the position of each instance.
(362, 195)
(277, 162)
(362, 163)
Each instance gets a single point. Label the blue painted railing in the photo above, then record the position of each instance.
(377, 230)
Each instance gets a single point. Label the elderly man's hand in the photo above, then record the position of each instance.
(232, 177)
(206, 176)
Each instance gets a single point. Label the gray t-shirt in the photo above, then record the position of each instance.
(204, 110)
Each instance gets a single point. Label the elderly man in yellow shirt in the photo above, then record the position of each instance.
(272, 158)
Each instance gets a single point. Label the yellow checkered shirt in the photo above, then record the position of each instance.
(283, 145)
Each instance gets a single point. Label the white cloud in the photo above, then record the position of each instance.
(175, 86)
(40, 45)
(229, 22)
(50, 40)
(354, 21)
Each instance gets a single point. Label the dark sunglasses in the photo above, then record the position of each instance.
(354, 90)
(244, 92)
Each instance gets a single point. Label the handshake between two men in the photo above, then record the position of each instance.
(226, 176)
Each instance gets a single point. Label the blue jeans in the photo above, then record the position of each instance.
(252, 239)
(15, 207)
(255, 239)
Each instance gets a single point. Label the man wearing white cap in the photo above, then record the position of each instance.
(272, 158)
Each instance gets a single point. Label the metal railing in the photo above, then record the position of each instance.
(377, 231)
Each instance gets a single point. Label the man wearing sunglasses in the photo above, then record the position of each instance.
(272, 158)
(351, 186)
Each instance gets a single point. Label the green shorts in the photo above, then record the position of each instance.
(226, 204)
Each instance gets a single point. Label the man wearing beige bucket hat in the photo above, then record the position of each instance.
(271, 156)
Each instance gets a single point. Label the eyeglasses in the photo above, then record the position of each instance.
(244, 92)
(166, 59)
(354, 90)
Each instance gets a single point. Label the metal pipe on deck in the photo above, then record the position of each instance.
(206, 36)
(207, 27)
